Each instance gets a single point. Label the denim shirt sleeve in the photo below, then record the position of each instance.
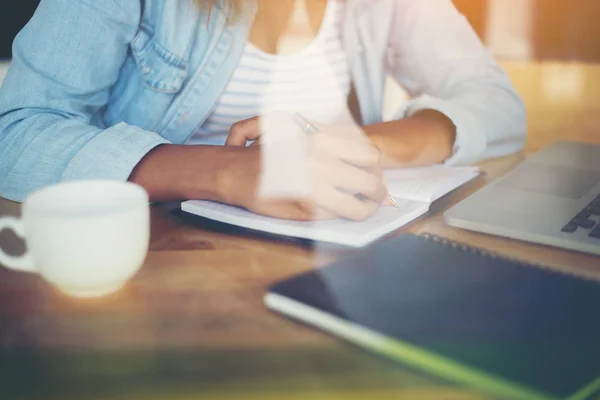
(65, 61)
(435, 54)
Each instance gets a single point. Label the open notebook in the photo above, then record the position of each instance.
(413, 189)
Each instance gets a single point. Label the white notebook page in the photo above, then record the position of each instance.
(340, 231)
(413, 190)
(428, 183)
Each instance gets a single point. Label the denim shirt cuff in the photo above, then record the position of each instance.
(112, 154)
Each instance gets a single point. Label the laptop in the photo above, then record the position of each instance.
(552, 198)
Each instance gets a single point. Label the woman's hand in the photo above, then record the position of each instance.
(244, 131)
(342, 170)
(425, 138)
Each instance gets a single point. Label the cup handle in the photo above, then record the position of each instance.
(19, 263)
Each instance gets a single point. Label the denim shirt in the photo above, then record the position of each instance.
(94, 85)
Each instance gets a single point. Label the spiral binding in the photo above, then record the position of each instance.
(497, 256)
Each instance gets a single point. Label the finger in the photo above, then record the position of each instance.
(242, 131)
(288, 209)
(354, 180)
(381, 195)
(293, 209)
(359, 152)
(313, 212)
(343, 204)
(257, 142)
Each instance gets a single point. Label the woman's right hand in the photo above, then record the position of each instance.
(342, 169)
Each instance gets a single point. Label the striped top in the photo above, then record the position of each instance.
(310, 78)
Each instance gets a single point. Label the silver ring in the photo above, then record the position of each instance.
(308, 127)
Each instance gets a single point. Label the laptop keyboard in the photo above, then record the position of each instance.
(583, 220)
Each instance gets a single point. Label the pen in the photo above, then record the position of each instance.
(310, 128)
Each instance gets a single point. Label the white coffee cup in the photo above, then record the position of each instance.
(85, 237)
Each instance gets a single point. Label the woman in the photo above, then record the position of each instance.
(118, 89)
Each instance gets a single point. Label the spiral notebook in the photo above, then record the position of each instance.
(516, 330)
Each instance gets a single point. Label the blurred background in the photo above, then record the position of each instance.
(550, 48)
(550, 30)
(514, 29)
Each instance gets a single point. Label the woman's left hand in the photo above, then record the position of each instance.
(254, 129)
(244, 131)
(425, 138)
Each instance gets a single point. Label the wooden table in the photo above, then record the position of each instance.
(191, 324)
